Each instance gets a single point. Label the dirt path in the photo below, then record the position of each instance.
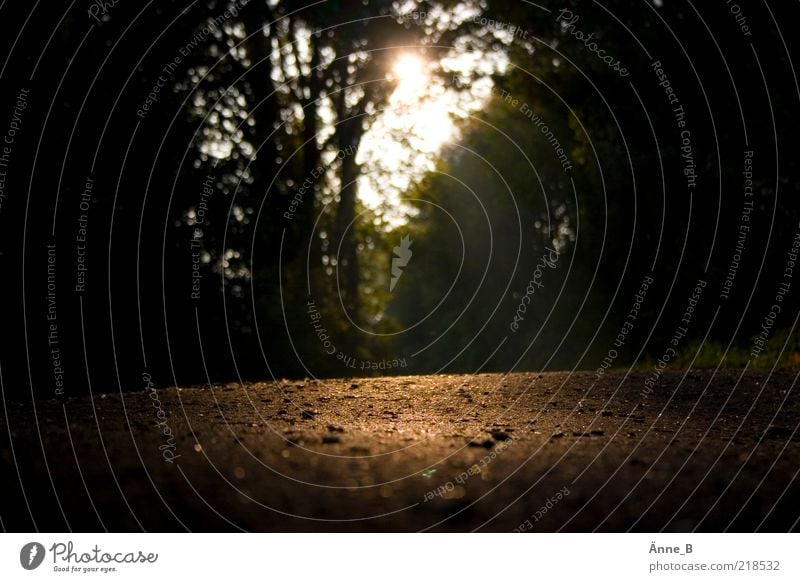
(538, 452)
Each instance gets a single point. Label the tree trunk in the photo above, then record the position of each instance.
(345, 228)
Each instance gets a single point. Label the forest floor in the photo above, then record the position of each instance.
(537, 452)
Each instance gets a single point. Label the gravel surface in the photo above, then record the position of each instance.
(533, 452)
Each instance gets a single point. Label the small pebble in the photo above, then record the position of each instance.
(500, 435)
(486, 444)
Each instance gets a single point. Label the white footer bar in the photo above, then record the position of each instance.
(400, 557)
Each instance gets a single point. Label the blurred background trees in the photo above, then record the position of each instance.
(331, 130)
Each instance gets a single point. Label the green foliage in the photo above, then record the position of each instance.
(782, 351)
(484, 219)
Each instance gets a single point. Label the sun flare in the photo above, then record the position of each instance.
(404, 142)
(409, 70)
